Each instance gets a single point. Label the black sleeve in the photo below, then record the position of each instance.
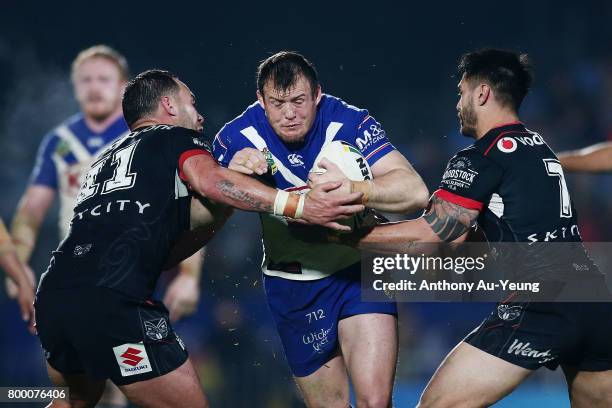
(184, 144)
(469, 179)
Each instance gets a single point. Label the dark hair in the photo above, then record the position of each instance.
(142, 93)
(508, 73)
(283, 69)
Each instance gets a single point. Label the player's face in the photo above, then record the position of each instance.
(188, 115)
(98, 87)
(290, 112)
(466, 109)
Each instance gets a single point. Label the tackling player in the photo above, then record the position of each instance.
(592, 159)
(99, 74)
(329, 335)
(134, 212)
(512, 184)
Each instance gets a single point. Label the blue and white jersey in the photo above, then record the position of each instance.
(64, 157)
(284, 255)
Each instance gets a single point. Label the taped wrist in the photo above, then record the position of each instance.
(289, 204)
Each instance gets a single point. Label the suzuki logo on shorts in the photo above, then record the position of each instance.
(131, 356)
(506, 144)
(522, 349)
(132, 359)
(295, 159)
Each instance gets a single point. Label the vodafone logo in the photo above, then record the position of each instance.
(506, 144)
(131, 356)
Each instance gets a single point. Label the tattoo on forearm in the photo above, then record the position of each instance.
(228, 189)
(449, 221)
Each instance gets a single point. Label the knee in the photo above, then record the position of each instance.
(599, 398)
(428, 400)
(375, 399)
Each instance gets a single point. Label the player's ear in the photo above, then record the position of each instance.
(260, 98)
(483, 92)
(168, 105)
(318, 95)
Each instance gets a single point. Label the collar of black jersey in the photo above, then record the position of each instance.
(498, 130)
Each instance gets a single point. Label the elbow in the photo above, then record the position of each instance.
(421, 196)
(208, 186)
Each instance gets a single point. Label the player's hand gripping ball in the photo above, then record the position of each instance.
(347, 163)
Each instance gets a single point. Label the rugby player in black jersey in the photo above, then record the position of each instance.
(135, 216)
(512, 184)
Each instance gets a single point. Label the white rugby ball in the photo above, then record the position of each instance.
(354, 166)
(347, 157)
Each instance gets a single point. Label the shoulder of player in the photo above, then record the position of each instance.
(472, 155)
(333, 107)
(251, 116)
(54, 135)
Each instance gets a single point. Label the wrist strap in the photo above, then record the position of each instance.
(364, 187)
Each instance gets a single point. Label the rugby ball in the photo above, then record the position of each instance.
(354, 166)
(347, 157)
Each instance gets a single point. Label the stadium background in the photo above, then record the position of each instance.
(398, 61)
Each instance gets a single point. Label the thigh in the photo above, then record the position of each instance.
(178, 388)
(306, 316)
(130, 341)
(369, 345)
(112, 396)
(84, 391)
(588, 388)
(327, 386)
(469, 377)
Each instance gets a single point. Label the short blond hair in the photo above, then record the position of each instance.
(102, 51)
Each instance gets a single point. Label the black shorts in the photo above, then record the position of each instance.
(105, 334)
(532, 335)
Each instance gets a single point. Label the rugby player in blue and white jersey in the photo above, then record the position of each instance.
(313, 290)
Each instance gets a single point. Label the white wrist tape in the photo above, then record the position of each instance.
(280, 202)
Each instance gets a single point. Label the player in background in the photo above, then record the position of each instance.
(592, 159)
(512, 184)
(134, 212)
(99, 75)
(13, 268)
(329, 335)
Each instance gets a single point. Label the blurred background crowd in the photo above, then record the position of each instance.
(397, 61)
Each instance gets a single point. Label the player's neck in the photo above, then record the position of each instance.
(494, 121)
(99, 126)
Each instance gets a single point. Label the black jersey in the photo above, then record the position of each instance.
(131, 209)
(516, 182)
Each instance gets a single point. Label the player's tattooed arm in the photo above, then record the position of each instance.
(449, 221)
(238, 190)
(443, 222)
(234, 193)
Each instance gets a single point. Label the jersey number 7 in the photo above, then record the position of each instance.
(554, 169)
(122, 178)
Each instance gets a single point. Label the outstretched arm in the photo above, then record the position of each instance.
(225, 186)
(443, 222)
(593, 159)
